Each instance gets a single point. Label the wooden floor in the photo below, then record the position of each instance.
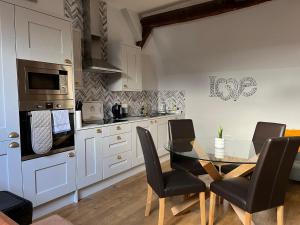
(124, 204)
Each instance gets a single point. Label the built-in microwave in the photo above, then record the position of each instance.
(39, 81)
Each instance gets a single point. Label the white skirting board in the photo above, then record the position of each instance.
(71, 198)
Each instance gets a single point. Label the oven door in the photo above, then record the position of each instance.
(61, 142)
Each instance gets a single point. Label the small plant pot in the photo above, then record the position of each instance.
(219, 143)
(219, 148)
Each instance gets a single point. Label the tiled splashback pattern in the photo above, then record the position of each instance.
(94, 89)
(94, 85)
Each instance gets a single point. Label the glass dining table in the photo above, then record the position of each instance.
(243, 153)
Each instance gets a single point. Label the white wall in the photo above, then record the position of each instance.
(262, 42)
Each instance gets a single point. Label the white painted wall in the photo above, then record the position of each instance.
(262, 42)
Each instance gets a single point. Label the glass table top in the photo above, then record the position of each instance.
(234, 151)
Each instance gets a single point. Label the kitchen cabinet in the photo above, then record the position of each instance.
(159, 132)
(40, 37)
(3, 169)
(9, 109)
(50, 177)
(129, 59)
(117, 144)
(53, 7)
(137, 152)
(89, 144)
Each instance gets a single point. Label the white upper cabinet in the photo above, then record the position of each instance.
(41, 37)
(52, 7)
(9, 116)
(129, 59)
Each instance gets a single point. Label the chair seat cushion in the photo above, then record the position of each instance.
(234, 190)
(189, 165)
(228, 168)
(16, 208)
(178, 182)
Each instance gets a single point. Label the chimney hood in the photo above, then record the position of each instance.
(94, 38)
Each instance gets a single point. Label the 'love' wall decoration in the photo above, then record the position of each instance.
(232, 88)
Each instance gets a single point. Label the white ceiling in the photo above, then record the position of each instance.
(143, 6)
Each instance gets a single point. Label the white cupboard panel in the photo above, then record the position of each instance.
(137, 152)
(53, 7)
(48, 178)
(89, 164)
(9, 117)
(3, 177)
(43, 38)
(162, 136)
(116, 164)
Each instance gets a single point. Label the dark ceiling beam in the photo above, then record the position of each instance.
(194, 12)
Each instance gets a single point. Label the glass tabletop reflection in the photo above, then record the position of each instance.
(234, 151)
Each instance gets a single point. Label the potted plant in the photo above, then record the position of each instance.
(219, 144)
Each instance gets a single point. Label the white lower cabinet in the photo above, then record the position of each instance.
(50, 177)
(89, 145)
(3, 169)
(117, 144)
(137, 152)
(162, 136)
(116, 164)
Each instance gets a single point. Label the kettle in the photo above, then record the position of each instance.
(117, 111)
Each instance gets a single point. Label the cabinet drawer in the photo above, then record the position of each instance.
(116, 144)
(119, 129)
(3, 147)
(116, 164)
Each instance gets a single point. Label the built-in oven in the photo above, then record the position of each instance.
(44, 86)
(39, 81)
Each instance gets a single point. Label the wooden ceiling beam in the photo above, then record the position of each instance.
(194, 12)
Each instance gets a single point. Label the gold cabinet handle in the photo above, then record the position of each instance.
(14, 145)
(68, 61)
(71, 154)
(119, 157)
(13, 135)
(119, 128)
(119, 138)
(99, 131)
(125, 86)
(152, 122)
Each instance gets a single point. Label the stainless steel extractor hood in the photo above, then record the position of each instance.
(92, 44)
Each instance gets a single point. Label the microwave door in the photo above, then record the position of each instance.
(46, 81)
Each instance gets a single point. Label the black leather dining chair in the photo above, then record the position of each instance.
(267, 186)
(172, 183)
(263, 131)
(183, 129)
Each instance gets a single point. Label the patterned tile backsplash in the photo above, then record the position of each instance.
(94, 89)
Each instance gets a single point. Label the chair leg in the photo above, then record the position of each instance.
(248, 218)
(202, 208)
(280, 215)
(212, 206)
(149, 200)
(161, 211)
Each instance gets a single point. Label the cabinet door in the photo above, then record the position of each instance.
(41, 37)
(3, 177)
(48, 178)
(9, 116)
(153, 130)
(89, 150)
(134, 72)
(9, 110)
(137, 152)
(162, 136)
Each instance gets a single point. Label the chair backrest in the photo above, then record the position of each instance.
(268, 183)
(183, 128)
(264, 131)
(153, 167)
